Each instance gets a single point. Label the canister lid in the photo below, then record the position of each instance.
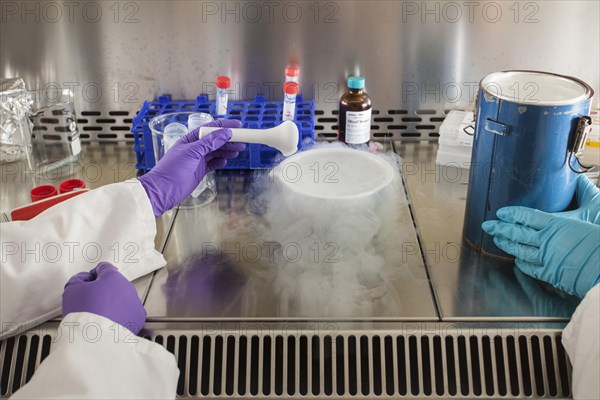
(42, 192)
(71, 185)
(536, 88)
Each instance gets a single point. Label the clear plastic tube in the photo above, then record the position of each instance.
(194, 121)
(198, 119)
(290, 90)
(223, 83)
(172, 133)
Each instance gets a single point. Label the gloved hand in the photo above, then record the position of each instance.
(179, 172)
(588, 197)
(559, 250)
(106, 292)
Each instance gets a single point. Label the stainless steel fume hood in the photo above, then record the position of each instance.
(453, 325)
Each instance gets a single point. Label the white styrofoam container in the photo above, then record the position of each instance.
(454, 144)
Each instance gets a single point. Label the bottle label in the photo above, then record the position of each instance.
(358, 126)
(221, 101)
(289, 107)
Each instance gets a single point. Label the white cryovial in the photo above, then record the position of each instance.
(172, 133)
(290, 90)
(198, 119)
(223, 84)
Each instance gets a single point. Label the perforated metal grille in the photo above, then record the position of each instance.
(386, 364)
(396, 124)
(94, 126)
(108, 126)
(19, 358)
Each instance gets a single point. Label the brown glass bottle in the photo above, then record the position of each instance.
(355, 113)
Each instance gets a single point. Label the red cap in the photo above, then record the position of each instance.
(290, 88)
(70, 185)
(43, 192)
(223, 82)
(292, 71)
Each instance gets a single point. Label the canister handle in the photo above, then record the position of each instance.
(494, 127)
(583, 128)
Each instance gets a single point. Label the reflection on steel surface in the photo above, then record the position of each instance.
(467, 285)
(279, 256)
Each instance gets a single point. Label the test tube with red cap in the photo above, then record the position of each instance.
(292, 74)
(223, 85)
(290, 90)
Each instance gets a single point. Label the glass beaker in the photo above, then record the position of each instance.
(54, 133)
(166, 130)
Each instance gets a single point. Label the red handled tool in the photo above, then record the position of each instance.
(44, 197)
(27, 212)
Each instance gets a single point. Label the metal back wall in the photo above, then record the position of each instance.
(419, 58)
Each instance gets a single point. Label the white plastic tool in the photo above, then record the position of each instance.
(283, 137)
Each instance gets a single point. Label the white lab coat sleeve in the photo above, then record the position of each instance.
(581, 339)
(95, 358)
(114, 223)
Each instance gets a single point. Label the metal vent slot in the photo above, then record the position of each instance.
(94, 126)
(115, 125)
(423, 125)
(111, 126)
(19, 358)
(347, 364)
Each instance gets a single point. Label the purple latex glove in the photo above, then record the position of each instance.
(105, 291)
(180, 171)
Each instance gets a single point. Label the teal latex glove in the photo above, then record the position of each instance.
(588, 197)
(562, 251)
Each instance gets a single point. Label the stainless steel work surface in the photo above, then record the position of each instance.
(222, 264)
(468, 286)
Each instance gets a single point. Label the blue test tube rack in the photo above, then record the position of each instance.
(257, 114)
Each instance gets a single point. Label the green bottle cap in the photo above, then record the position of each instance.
(356, 82)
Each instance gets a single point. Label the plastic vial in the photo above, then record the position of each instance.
(290, 90)
(355, 113)
(223, 85)
(292, 74)
(198, 119)
(194, 121)
(172, 133)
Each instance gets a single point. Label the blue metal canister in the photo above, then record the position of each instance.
(526, 129)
